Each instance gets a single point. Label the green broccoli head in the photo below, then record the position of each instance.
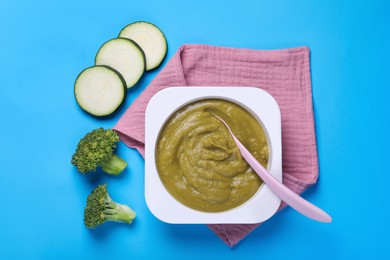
(96, 149)
(101, 208)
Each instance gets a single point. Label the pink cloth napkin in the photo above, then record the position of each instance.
(285, 74)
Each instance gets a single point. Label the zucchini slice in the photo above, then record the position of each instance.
(125, 56)
(100, 90)
(151, 40)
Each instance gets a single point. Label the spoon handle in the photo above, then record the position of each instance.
(284, 193)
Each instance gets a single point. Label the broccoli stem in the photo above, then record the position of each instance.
(118, 212)
(114, 165)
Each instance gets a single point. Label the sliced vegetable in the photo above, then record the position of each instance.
(125, 56)
(100, 90)
(150, 38)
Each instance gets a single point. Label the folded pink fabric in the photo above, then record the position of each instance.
(285, 74)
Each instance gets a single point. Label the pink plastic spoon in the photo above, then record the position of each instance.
(284, 193)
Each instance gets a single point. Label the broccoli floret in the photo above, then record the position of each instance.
(96, 149)
(101, 208)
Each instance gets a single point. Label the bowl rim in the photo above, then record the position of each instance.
(162, 105)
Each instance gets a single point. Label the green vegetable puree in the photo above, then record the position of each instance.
(199, 163)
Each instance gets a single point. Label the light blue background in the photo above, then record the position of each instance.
(45, 44)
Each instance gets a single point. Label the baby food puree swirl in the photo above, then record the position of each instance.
(199, 163)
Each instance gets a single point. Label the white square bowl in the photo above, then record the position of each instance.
(163, 104)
